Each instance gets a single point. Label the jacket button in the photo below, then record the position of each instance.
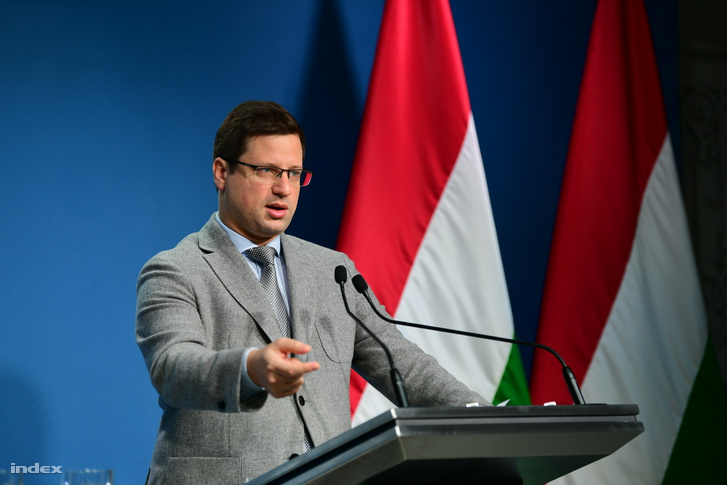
(301, 400)
(221, 405)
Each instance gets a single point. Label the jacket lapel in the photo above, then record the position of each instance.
(236, 276)
(301, 284)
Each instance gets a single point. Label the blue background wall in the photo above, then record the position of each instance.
(107, 115)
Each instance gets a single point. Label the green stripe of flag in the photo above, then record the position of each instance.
(513, 385)
(701, 445)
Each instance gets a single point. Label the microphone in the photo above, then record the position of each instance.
(570, 379)
(341, 276)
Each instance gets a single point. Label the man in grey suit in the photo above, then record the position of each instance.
(238, 396)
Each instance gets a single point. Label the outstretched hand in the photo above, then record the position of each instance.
(273, 368)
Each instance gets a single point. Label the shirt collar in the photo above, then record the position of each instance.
(241, 242)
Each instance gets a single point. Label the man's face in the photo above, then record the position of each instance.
(257, 210)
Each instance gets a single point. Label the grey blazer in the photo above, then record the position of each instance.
(200, 306)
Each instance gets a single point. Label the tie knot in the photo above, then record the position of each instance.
(262, 254)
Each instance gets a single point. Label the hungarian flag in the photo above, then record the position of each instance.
(417, 219)
(622, 301)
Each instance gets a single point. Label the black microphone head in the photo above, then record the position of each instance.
(359, 283)
(341, 274)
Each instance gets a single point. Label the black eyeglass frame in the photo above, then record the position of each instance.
(305, 175)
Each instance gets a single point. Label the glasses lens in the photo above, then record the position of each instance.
(267, 174)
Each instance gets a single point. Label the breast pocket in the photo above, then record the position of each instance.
(337, 336)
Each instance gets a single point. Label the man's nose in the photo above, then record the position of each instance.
(282, 184)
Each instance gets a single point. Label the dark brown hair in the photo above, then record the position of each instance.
(251, 119)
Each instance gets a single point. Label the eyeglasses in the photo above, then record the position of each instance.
(268, 175)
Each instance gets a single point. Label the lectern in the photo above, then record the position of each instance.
(484, 445)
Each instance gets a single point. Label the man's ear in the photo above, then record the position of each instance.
(219, 173)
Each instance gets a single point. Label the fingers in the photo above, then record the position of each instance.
(276, 371)
(290, 346)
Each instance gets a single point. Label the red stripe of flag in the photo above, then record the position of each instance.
(413, 127)
(618, 131)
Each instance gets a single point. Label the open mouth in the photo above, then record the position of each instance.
(277, 210)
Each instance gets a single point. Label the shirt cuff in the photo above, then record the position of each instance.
(247, 387)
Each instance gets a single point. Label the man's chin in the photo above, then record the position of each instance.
(276, 227)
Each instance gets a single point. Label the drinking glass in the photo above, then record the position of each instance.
(7, 478)
(88, 477)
